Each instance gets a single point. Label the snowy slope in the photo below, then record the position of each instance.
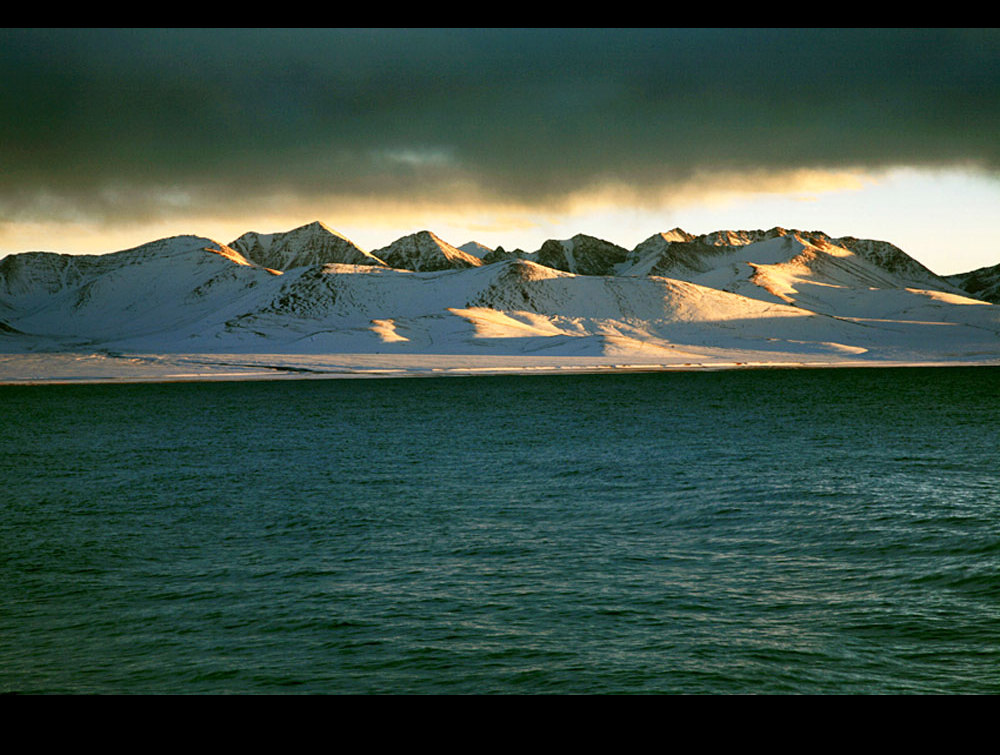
(983, 283)
(760, 296)
(173, 285)
(515, 306)
(780, 265)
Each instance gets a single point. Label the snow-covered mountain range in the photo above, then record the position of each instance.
(751, 296)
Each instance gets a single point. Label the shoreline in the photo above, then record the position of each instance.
(79, 368)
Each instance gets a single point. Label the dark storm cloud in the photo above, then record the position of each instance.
(109, 118)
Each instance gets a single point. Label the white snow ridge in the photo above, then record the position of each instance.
(309, 302)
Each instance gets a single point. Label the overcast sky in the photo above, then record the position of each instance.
(511, 135)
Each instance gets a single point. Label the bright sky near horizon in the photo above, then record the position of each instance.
(111, 138)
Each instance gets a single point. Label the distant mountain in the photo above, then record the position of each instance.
(500, 255)
(672, 254)
(891, 258)
(424, 252)
(581, 255)
(311, 291)
(751, 261)
(475, 249)
(166, 286)
(983, 283)
(312, 244)
(677, 234)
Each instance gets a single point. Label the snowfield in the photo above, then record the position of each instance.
(190, 308)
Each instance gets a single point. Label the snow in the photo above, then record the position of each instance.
(475, 249)
(190, 308)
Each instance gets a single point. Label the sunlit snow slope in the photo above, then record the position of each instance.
(744, 295)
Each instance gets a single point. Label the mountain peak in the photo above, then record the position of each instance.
(581, 255)
(311, 244)
(426, 235)
(676, 234)
(423, 251)
(475, 249)
(319, 225)
(316, 228)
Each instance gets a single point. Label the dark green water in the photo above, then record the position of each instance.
(773, 531)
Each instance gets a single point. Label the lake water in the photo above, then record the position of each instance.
(764, 531)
